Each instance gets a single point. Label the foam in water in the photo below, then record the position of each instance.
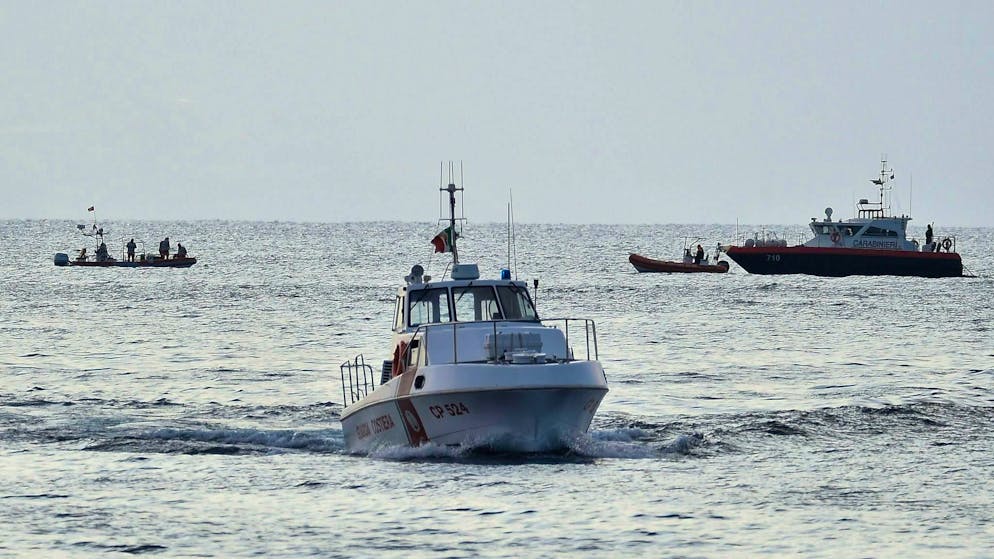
(319, 440)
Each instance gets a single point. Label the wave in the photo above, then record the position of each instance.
(315, 441)
(166, 426)
(174, 440)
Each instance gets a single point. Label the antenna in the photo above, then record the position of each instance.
(514, 243)
(509, 235)
(451, 189)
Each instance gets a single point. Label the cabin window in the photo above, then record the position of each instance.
(429, 306)
(878, 232)
(516, 303)
(475, 303)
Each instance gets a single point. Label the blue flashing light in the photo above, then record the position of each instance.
(505, 274)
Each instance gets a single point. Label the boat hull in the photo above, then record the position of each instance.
(511, 414)
(648, 265)
(837, 262)
(157, 263)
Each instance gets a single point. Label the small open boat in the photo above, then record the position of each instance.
(646, 265)
(130, 256)
(143, 261)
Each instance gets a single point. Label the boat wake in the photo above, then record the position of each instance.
(625, 443)
(168, 427)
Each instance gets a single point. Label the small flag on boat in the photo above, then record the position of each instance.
(90, 209)
(443, 241)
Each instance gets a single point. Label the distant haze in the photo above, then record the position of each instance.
(608, 112)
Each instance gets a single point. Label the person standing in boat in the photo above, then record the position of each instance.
(131, 250)
(700, 255)
(928, 237)
(164, 248)
(102, 252)
(180, 250)
(687, 257)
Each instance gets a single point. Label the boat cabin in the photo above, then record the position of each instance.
(466, 319)
(866, 231)
(872, 228)
(462, 301)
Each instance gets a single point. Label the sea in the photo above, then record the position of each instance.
(195, 412)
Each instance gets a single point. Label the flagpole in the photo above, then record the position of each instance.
(452, 222)
(446, 241)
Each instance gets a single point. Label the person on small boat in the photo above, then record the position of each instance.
(131, 250)
(102, 252)
(164, 248)
(928, 234)
(700, 255)
(687, 257)
(82, 255)
(180, 250)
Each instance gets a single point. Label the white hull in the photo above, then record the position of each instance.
(523, 408)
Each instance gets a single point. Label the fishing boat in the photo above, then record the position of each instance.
(689, 265)
(874, 243)
(141, 261)
(130, 256)
(472, 364)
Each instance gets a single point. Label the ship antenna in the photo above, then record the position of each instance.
(911, 191)
(452, 189)
(512, 248)
(514, 242)
(883, 179)
(508, 235)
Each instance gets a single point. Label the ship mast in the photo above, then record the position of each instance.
(885, 175)
(452, 189)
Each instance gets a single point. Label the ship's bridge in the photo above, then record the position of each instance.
(462, 301)
(887, 233)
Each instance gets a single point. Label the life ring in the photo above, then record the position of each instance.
(399, 354)
(835, 237)
(947, 243)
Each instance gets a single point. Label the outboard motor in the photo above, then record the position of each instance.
(61, 259)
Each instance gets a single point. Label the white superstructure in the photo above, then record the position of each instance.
(873, 227)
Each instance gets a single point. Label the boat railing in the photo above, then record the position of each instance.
(943, 243)
(358, 375)
(589, 333)
(569, 327)
(770, 238)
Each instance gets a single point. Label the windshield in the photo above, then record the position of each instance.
(516, 303)
(475, 303)
(429, 306)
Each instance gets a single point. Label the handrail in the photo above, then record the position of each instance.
(938, 244)
(360, 379)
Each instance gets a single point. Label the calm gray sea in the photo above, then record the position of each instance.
(194, 413)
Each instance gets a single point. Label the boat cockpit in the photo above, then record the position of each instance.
(462, 301)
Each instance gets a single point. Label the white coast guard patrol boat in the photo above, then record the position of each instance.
(473, 365)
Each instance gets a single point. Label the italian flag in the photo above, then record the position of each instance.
(443, 241)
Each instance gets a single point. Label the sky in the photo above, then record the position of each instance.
(756, 112)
